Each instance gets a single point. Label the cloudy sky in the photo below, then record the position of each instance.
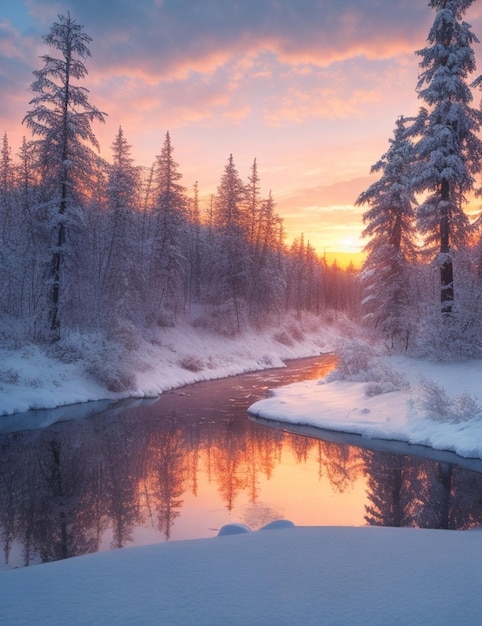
(310, 88)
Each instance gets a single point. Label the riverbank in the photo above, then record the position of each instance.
(88, 368)
(438, 405)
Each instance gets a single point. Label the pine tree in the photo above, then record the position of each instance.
(448, 151)
(230, 224)
(6, 187)
(390, 219)
(267, 272)
(8, 234)
(61, 117)
(253, 204)
(230, 203)
(168, 259)
(195, 248)
(120, 250)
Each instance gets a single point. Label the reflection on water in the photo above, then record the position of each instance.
(187, 464)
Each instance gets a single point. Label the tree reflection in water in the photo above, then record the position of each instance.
(404, 491)
(96, 483)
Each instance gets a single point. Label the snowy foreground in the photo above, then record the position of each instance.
(289, 575)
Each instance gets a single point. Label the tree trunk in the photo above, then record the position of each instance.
(446, 267)
(55, 271)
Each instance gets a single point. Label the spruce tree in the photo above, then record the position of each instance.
(232, 253)
(61, 118)
(391, 228)
(120, 250)
(448, 153)
(169, 234)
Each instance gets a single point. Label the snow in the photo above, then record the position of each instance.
(30, 378)
(344, 406)
(285, 574)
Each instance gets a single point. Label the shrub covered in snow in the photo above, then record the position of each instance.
(358, 362)
(112, 375)
(434, 402)
(192, 363)
(9, 375)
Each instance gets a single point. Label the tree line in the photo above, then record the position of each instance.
(90, 244)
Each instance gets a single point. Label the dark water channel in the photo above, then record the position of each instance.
(186, 464)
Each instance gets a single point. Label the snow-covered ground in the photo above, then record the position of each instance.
(31, 378)
(433, 404)
(289, 576)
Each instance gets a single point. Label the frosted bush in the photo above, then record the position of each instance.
(126, 334)
(358, 362)
(355, 360)
(70, 348)
(449, 338)
(10, 376)
(465, 407)
(192, 363)
(113, 376)
(436, 404)
(110, 365)
(385, 380)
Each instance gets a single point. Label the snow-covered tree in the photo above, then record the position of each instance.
(230, 201)
(448, 150)
(6, 187)
(391, 226)
(253, 204)
(169, 215)
(230, 225)
(195, 247)
(7, 229)
(267, 280)
(119, 251)
(61, 117)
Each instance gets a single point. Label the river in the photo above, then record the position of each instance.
(184, 465)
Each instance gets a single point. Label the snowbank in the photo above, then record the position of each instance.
(425, 410)
(30, 378)
(289, 576)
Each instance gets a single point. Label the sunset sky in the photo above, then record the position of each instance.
(310, 88)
